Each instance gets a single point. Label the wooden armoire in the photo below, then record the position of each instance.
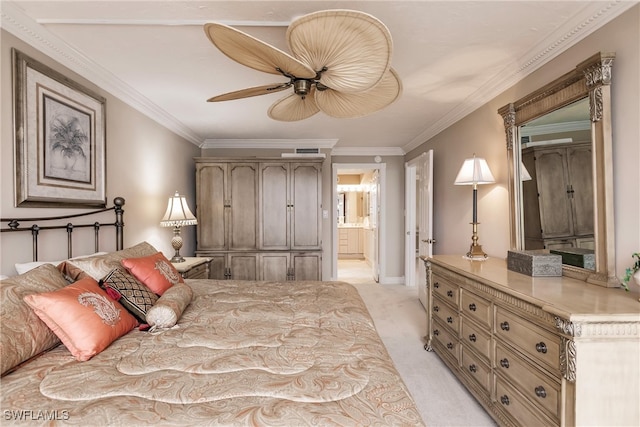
(558, 200)
(260, 218)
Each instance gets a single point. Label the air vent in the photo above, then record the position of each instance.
(305, 152)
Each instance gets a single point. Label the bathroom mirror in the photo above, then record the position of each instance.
(589, 81)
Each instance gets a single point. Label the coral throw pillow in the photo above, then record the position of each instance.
(155, 271)
(82, 315)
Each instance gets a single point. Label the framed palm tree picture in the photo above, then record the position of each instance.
(59, 136)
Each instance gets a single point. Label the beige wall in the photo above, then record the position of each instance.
(145, 164)
(482, 132)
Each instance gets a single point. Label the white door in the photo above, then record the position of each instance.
(425, 220)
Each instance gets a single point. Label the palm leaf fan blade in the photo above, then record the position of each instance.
(252, 91)
(350, 105)
(253, 53)
(354, 47)
(293, 108)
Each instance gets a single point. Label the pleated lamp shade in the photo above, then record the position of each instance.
(178, 213)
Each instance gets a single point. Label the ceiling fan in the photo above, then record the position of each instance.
(340, 64)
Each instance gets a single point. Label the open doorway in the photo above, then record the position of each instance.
(358, 210)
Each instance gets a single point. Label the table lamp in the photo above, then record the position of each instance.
(177, 215)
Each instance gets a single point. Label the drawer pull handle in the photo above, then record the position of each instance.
(472, 307)
(541, 392)
(436, 285)
(504, 399)
(472, 337)
(450, 294)
(473, 368)
(436, 308)
(504, 326)
(541, 347)
(449, 319)
(436, 332)
(450, 346)
(504, 363)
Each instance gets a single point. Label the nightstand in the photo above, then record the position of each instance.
(193, 267)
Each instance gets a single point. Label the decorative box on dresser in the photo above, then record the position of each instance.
(536, 350)
(260, 218)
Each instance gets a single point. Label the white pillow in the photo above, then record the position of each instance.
(26, 266)
(22, 268)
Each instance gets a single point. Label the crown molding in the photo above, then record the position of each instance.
(591, 18)
(290, 144)
(368, 151)
(26, 29)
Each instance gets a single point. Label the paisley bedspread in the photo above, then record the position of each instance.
(243, 353)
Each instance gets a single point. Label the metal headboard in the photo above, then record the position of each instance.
(15, 226)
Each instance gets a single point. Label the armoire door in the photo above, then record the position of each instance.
(243, 207)
(306, 266)
(211, 206)
(553, 189)
(305, 191)
(275, 206)
(581, 181)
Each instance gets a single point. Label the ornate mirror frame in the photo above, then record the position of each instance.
(590, 78)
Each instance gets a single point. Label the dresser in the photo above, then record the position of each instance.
(536, 350)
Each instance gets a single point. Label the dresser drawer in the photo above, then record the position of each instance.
(446, 340)
(476, 307)
(476, 368)
(542, 346)
(446, 314)
(476, 337)
(516, 405)
(535, 386)
(447, 290)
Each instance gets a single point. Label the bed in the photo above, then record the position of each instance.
(216, 353)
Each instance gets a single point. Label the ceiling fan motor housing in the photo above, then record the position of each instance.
(302, 87)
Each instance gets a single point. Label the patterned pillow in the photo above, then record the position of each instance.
(169, 307)
(134, 296)
(22, 334)
(100, 265)
(155, 271)
(82, 315)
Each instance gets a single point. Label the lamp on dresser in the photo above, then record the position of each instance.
(475, 171)
(177, 216)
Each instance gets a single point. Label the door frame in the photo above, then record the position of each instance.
(381, 168)
(410, 221)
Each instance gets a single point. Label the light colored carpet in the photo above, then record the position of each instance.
(401, 322)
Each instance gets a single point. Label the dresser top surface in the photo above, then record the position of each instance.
(563, 296)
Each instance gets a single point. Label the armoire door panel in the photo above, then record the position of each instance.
(306, 187)
(274, 266)
(581, 175)
(553, 189)
(211, 195)
(243, 183)
(306, 266)
(274, 206)
(243, 266)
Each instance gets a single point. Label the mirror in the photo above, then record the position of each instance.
(591, 219)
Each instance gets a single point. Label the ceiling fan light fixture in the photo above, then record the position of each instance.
(340, 64)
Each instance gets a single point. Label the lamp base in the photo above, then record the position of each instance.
(176, 243)
(476, 253)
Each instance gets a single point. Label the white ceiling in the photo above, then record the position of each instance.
(452, 57)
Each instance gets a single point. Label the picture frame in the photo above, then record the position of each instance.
(60, 138)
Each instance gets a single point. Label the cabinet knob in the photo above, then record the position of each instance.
(541, 347)
(436, 308)
(450, 346)
(449, 319)
(436, 332)
(504, 399)
(473, 368)
(472, 307)
(504, 326)
(472, 337)
(504, 363)
(541, 392)
(436, 285)
(450, 294)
